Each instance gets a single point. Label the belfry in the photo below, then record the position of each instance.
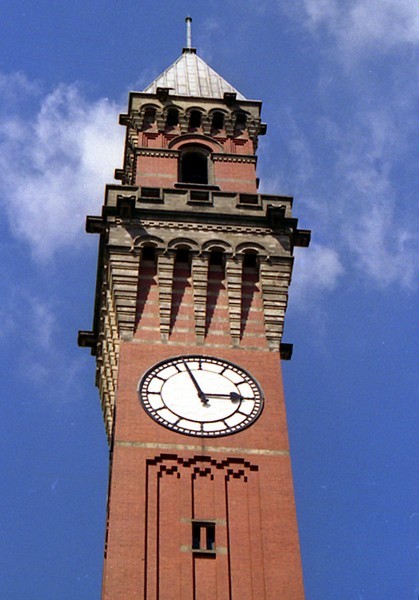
(192, 285)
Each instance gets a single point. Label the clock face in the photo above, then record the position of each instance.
(201, 396)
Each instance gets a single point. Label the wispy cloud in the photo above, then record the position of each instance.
(359, 26)
(374, 221)
(54, 163)
(353, 206)
(315, 272)
(31, 332)
(352, 173)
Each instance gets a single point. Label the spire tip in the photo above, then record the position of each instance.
(188, 21)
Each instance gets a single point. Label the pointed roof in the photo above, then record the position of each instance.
(191, 76)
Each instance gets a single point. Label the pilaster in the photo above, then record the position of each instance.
(200, 287)
(233, 269)
(275, 277)
(165, 264)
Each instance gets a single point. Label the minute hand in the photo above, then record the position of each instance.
(201, 394)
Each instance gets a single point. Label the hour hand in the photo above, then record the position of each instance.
(233, 396)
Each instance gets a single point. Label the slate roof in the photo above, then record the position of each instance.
(191, 76)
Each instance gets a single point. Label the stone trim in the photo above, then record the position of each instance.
(158, 153)
(233, 158)
(210, 227)
(202, 448)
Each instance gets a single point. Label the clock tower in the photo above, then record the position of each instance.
(192, 285)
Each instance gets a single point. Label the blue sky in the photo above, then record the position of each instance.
(339, 85)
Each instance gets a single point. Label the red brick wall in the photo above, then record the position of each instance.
(161, 480)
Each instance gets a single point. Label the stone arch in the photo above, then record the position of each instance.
(212, 117)
(195, 108)
(147, 240)
(217, 245)
(148, 116)
(182, 242)
(255, 247)
(195, 139)
(172, 115)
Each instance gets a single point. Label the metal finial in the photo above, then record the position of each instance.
(188, 32)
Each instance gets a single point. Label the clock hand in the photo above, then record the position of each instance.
(233, 396)
(201, 394)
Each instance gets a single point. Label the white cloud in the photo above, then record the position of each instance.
(316, 270)
(25, 314)
(374, 223)
(15, 87)
(347, 180)
(359, 25)
(54, 165)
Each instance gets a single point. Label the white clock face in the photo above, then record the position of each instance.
(201, 396)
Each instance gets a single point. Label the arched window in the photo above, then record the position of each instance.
(195, 119)
(250, 260)
(149, 117)
(182, 256)
(240, 122)
(218, 120)
(216, 258)
(194, 167)
(148, 253)
(172, 118)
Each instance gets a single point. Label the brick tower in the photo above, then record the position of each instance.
(192, 286)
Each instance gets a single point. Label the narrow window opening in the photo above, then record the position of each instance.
(203, 536)
(195, 119)
(149, 117)
(194, 168)
(149, 253)
(218, 120)
(182, 255)
(210, 531)
(250, 260)
(240, 122)
(196, 536)
(216, 258)
(172, 117)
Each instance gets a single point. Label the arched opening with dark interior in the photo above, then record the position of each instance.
(149, 117)
(217, 121)
(182, 289)
(250, 260)
(216, 287)
(195, 119)
(241, 121)
(250, 290)
(194, 167)
(147, 277)
(216, 258)
(148, 254)
(172, 118)
(182, 256)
